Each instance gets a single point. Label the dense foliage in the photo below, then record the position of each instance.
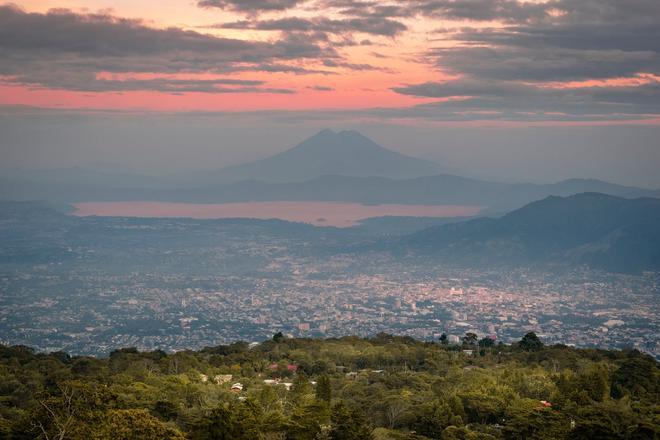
(350, 388)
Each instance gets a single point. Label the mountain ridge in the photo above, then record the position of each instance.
(496, 198)
(342, 166)
(594, 229)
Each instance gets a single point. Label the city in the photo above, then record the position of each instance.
(87, 309)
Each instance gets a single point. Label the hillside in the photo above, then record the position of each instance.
(383, 388)
(599, 230)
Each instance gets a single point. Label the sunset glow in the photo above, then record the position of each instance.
(228, 55)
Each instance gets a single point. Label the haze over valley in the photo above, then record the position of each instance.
(322, 168)
(307, 243)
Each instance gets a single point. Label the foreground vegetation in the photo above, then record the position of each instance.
(381, 388)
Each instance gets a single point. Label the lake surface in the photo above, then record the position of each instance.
(338, 214)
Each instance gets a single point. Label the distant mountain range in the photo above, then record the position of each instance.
(330, 166)
(598, 230)
(494, 198)
(345, 153)
(591, 229)
(442, 189)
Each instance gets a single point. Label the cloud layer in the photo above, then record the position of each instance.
(508, 69)
(65, 50)
(468, 59)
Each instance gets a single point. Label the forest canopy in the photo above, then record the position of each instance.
(385, 387)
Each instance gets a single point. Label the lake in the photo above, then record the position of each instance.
(338, 214)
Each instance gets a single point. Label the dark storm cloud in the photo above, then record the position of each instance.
(464, 88)
(480, 10)
(555, 52)
(372, 9)
(625, 37)
(503, 93)
(62, 49)
(368, 25)
(321, 88)
(508, 11)
(555, 40)
(612, 11)
(582, 39)
(99, 35)
(285, 68)
(478, 99)
(475, 10)
(545, 63)
(167, 85)
(250, 6)
(503, 69)
(353, 66)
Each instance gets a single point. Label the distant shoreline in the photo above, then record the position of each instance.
(335, 214)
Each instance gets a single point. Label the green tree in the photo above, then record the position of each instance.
(470, 339)
(324, 389)
(463, 433)
(530, 342)
(432, 419)
(227, 422)
(639, 377)
(595, 382)
(457, 408)
(527, 419)
(611, 419)
(130, 424)
(483, 408)
(349, 424)
(166, 410)
(73, 410)
(307, 422)
(486, 342)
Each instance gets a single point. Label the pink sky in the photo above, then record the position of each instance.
(357, 58)
(351, 89)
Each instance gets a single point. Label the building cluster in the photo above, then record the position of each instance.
(94, 313)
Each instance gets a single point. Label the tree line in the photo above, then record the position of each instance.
(350, 388)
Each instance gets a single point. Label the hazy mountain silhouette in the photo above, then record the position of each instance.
(599, 230)
(344, 153)
(330, 166)
(493, 197)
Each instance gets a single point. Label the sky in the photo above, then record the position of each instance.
(505, 88)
